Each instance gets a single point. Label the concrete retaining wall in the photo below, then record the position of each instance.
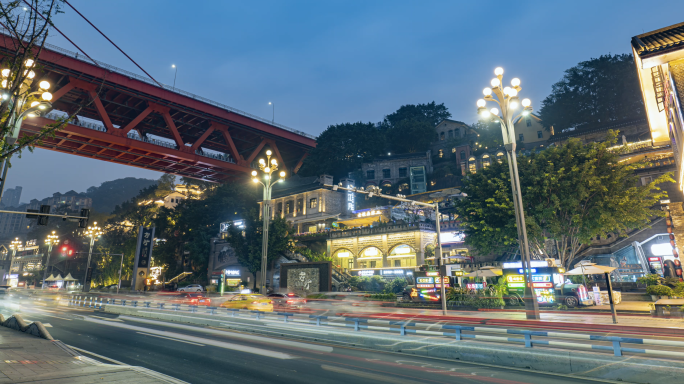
(578, 363)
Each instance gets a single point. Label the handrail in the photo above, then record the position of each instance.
(134, 136)
(135, 76)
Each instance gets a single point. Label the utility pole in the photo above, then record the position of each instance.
(375, 191)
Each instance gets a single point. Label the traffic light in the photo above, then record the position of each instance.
(42, 220)
(66, 251)
(85, 216)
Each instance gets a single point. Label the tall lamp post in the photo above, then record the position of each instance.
(174, 75)
(38, 102)
(273, 111)
(51, 240)
(15, 245)
(93, 232)
(268, 167)
(507, 100)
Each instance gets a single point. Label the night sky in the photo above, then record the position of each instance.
(329, 62)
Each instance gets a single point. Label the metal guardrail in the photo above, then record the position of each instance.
(134, 136)
(458, 332)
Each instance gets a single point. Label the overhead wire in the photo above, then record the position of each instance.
(60, 32)
(108, 39)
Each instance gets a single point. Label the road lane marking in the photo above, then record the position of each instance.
(220, 344)
(228, 333)
(170, 338)
(366, 375)
(47, 325)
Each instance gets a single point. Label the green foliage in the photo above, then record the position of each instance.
(396, 286)
(342, 148)
(561, 307)
(312, 255)
(248, 242)
(678, 289)
(463, 298)
(367, 284)
(594, 91)
(489, 135)
(650, 279)
(410, 135)
(659, 290)
(576, 279)
(383, 296)
(572, 193)
(112, 193)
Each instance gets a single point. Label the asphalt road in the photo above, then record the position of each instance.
(210, 355)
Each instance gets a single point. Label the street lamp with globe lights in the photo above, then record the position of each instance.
(268, 168)
(22, 104)
(52, 239)
(94, 233)
(15, 245)
(507, 100)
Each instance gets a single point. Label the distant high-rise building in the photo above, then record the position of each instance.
(11, 196)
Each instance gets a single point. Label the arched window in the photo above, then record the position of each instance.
(441, 136)
(472, 165)
(441, 153)
(451, 134)
(402, 256)
(499, 157)
(486, 161)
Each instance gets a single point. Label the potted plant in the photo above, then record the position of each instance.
(659, 290)
(651, 306)
(666, 310)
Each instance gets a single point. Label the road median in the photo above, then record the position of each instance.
(583, 363)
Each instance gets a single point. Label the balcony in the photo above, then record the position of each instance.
(380, 230)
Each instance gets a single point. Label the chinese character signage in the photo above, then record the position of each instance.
(145, 243)
(350, 200)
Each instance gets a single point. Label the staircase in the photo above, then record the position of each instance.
(179, 278)
(339, 277)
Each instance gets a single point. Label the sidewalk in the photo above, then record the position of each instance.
(29, 359)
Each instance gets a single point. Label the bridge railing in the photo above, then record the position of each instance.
(129, 74)
(134, 136)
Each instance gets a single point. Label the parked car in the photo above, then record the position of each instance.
(287, 300)
(191, 288)
(191, 299)
(252, 302)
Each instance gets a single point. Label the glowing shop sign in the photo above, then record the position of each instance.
(541, 278)
(367, 273)
(534, 270)
(425, 280)
(350, 199)
(392, 272)
(545, 295)
(431, 273)
(516, 285)
(515, 278)
(232, 272)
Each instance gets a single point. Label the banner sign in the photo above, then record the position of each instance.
(145, 247)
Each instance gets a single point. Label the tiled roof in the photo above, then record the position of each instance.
(659, 40)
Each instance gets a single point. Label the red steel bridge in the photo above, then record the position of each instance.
(129, 119)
